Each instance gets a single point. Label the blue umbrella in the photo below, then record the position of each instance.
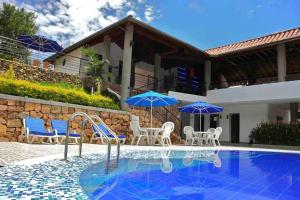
(151, 99)
(39, 43)
(200, 107)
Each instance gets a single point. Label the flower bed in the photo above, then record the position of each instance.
(54, 93)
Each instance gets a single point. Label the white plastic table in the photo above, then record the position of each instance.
(202, 135)
(152, 132)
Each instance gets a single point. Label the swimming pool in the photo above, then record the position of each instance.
(161, 174)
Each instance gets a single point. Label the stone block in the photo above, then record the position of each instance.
(11, 102)
(13, 123)
(3, 101)
(108, 121)
(55, 109)
(13, 115)
(2, 121)
(32, 114)
(29, 106)
(104, 115)
(126, 117)
(13, 108)
(3, 113)
(22, 115)
(45, 109)
(37, 107)
(64, 110)
(39, 115)
(11, 130)
(3, 130)
(71, 110)
(3, 107)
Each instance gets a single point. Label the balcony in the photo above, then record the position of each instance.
(270, 92)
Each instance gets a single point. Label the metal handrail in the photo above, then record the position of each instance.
(110, 131)
(90, 120)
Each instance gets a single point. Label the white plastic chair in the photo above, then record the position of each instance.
(216, 137)
(138, 132)
(191, 138)
(166, 130)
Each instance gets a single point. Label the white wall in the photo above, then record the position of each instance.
(72, 62)
(277, 110)
(185, 97)
(72, 59)
(265, 93)
(116, 55)
(145, 69)
(250, 116)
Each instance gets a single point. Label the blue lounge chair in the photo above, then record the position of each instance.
(60, 129)
(35, 127)
(105, 130)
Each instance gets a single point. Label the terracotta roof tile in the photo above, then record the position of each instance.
(256, 42)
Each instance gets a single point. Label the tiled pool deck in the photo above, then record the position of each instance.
(20, 153)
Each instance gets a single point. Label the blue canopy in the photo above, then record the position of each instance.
(151, 99)
(39, 43)
(200, 107)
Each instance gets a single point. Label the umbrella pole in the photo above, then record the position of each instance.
(200, 121)
(151, 114)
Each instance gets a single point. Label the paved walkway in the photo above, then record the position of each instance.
(20, 153)
(11, 152)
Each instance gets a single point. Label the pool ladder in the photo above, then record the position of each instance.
(86, 118)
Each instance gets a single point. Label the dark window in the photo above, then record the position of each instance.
(64, 62)
(110, 69)
(99, 56)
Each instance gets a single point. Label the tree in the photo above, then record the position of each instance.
(16, 21)
(94, 68)
(13, 23)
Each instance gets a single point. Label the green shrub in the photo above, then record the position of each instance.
(9, 74)
(62, 85)
(276, 134)
(52, 92)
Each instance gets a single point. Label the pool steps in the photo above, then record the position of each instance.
(91, 119)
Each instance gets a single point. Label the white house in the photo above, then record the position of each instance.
(254, 80)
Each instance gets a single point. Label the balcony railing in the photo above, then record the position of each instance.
(256, 81)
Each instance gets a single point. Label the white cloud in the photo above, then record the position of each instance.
(132, 13)
(71, 20)
(149, 13)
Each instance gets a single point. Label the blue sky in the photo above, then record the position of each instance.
(208, 23)
(203, 23)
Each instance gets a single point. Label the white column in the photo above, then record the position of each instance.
(158, 72)
(106, 55)
(192, 120)
(207, 73)
(126, 72)
(281, 62)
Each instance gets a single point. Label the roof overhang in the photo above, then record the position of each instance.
(139, 28)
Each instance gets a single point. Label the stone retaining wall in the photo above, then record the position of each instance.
(13, 109)
(36, 74)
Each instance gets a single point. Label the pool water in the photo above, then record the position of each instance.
(207, 175)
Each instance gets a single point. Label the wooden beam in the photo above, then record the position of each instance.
(230, 61)
(170, 57)
(153, 38)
